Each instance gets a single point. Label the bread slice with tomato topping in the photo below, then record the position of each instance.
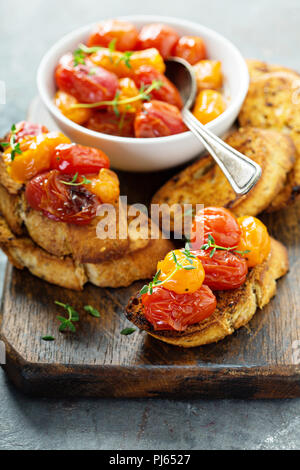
(65, 271)
(235, 308)
(203, 182)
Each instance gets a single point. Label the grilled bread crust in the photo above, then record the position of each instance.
(204, 183)
(234, 308)
(273, 102)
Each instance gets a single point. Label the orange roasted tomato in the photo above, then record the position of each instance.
(105, 185)
(35, 157)
(65, 103)
(224, 271)
(62, 202)
(124, 34)
(125, 65)
(166, 310)
(208, 106)
(217, 222)
(86, 82)
(160, 36)
(255, 239)
(108, 123)
(209, 74)
(187, 279)
(146, 74)
(158, 119)
(128, 90)
(72, 158)
(190, 48)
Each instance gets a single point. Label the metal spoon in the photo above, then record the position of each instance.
(241, 172)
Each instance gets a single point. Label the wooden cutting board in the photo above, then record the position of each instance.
(261, 360)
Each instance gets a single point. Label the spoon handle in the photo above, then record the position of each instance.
(241, 172)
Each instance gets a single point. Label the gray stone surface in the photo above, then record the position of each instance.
(267, 29)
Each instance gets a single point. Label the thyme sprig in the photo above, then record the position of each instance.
(178, 266)
(15, 147)
(143, 95)
(84, 50)
(74, 182)
(68, 323)
(211, 244)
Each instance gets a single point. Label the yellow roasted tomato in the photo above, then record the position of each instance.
(254, 239)
(35, 157)
(105, 186)
(125, 64)
(64, 102)
(187, 279)
(128, 89)
(208, 74)
(209, 105)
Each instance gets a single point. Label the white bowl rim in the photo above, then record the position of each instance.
(236, 103)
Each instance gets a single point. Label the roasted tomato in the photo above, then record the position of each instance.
(87, 83)
(109, 123)
(166, 310)
(125, 35)
(64, 102)
(35, 157)
(106, 186)
(209, 74)
(72, 158)
(59, 201)
(146, 74)
(224, 271)
(128, 89)
(25, 129)
(255, 239)
(217, 222)
(158, 119)
(190, 48)
(160, 36)
(125, 65)
(209, 105)
(182, 280)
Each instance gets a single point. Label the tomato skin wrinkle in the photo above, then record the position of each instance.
(60, 202)
(217, 222)
(72, 158)
(224, 271)
(166, 310)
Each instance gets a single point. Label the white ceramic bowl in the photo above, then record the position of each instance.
(153, 154)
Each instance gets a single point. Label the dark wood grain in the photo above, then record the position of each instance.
(255, 362)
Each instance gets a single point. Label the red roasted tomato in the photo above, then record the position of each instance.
(124, 33)
(158, 119)
(61, 202)
(190, 48)
(25, 128)
(166, 310)
(160, 36)
(224, 271)
(219, 223)
(108, 123)
(146, 74)
(87, 83)
(71, 159)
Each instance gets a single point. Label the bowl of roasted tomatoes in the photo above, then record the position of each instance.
(105, 86)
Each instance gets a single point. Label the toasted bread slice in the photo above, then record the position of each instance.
(66, 272)
(234, 308)
(273, 102)
(203, 182)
